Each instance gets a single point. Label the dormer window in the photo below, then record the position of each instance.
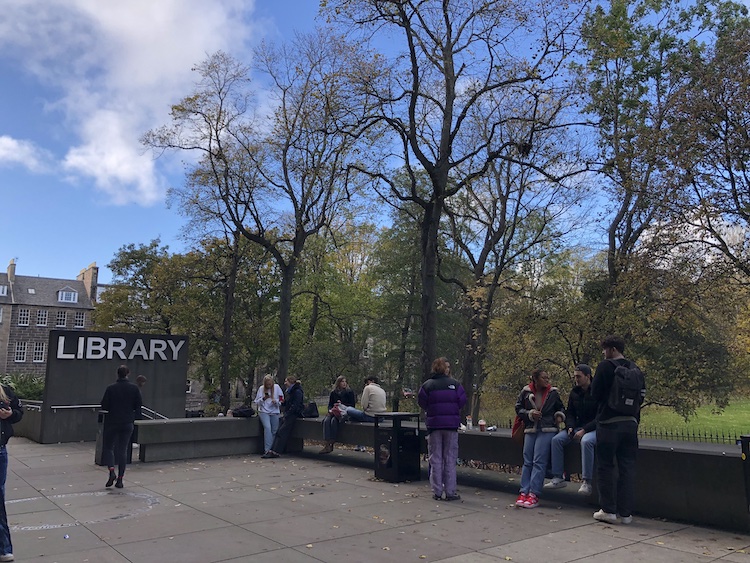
(31, 291)
(67, 296)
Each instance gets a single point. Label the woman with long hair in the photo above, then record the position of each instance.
(268, 399)
(10, 413)
(342, 395)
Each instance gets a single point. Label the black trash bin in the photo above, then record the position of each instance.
(397, 450)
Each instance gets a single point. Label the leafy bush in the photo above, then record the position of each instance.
(26, 386)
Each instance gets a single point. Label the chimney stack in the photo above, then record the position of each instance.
(12, 270)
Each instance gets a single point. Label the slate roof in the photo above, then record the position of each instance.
(45, 292)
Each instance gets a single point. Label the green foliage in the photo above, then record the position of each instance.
(26, 386)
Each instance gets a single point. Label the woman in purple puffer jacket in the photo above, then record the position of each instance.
(443, 398)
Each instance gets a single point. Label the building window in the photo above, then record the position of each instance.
(3, 290)
(39, 349)
(62, 318)
(31, 291)
(23, 317)
(20, 352)
(80, 320)
(1, 315)
(41, 317)
(67, 296)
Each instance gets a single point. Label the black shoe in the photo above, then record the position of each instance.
(269, 454)
(453, 497)
(437, 497)
(111, 479)
(119, 484)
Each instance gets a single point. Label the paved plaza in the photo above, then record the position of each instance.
(307, 508)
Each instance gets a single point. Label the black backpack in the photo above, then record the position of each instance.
(628, 389)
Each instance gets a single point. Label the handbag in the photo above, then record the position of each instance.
(338, 410)
(516, 433)
(311, 410)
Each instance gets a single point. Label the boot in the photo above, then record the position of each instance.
(111, 479)
(328, 448)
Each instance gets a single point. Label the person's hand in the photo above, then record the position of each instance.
(559, 419)
(6, 412)
(578, 435)
(535, 414)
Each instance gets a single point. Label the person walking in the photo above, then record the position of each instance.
(343, 396)
(11, 412)
(122, 401)
(294, 403)
(442, 398)
(541, 409)
(616, 436)
(580, 421)
(268, 400)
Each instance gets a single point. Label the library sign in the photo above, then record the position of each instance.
(81, 364)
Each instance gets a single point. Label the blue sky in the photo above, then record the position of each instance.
(82, 80)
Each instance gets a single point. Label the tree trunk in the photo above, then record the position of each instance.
(285, 320)
(226, 336)
(430, 224)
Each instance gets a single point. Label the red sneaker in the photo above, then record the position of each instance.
(531, 501)
(521, 500)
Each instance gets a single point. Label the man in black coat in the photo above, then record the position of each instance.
(122, 401)
(294, 403)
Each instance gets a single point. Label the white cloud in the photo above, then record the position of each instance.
(23, 153)
(116, 68)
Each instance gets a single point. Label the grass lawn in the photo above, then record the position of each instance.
(735, 419)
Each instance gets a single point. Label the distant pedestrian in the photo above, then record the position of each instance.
(140, 381)
(293, 405)
(541, 409)
(268, 401)
(442, 397)
(10, 413)
(616, 437)
(343, 396)
(122, 401)
(580, 421)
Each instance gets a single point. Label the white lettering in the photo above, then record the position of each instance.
(116, 346)
(61, 355)
(158, 347)
(96, 348)
(99, 348)
(139, 349)
(175, 349)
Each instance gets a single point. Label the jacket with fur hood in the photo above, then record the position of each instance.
(551, 408)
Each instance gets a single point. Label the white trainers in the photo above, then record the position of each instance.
(7, 557)
(556, 483)
(585, 488)
(607, 517)
(626, 519)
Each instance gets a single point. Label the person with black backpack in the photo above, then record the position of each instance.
(619, 389)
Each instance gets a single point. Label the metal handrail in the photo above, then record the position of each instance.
(152, 414)
(70, 407)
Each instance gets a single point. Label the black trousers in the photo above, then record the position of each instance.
(282, 434)
(616, 443)
(115, 442)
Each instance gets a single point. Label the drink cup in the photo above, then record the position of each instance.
(482, 425)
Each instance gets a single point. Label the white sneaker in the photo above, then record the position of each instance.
(7, 557)
(607, 517)
(585, 488)
(626, 519)
(556, 483)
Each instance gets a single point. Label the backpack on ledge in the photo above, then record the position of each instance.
(628, 389)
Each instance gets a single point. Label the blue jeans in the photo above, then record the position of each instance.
(270, 424)
(331, 427)
(536, 452)
(562, 439)
(359, 416)
(5, 545)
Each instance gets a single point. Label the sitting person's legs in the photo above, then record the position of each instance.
(358, 416)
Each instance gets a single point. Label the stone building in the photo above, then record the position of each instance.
(30, 307)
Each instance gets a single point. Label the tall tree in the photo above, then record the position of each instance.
(449, 57)
(279, 179)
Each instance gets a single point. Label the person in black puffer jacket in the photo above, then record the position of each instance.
(580, 425)
(294, 403)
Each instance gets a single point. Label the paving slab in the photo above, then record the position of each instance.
(307, 508)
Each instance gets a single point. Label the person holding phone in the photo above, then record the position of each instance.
(10, 413)
(268, 400)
